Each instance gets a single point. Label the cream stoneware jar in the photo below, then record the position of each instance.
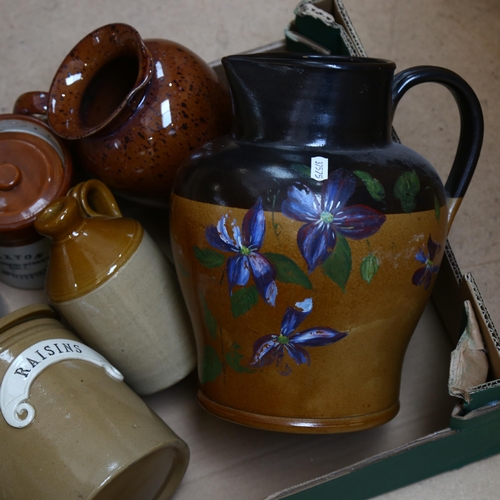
(69, 427)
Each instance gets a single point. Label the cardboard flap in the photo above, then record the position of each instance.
(340, 13)
(324, 27)
(469, 364)
(451, 292)
(488, 330)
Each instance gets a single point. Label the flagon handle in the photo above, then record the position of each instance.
(95, 199)
(471, 125)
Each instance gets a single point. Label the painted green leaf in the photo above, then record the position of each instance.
(234, 357)
(369, 267)
(375, 188)
(208, 257)
(406, 188)
(208, 318)
(302, 169)
(339, 264)
(287, 271)
(211, 366)
(243, 300)
(437, 208)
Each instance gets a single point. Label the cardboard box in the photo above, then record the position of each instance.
(433, 432)
(430, 434)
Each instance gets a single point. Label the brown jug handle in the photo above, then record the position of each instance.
(471, 125)
(32, 103)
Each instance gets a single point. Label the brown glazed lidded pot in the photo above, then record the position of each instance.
(116, 288)
(35, 168)
(70, 427)
(307, 242)
(137, 107)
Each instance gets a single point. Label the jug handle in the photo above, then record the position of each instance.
(95, 199)
(471, 125)
(32, 103)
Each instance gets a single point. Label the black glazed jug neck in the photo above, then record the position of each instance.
(299, 100)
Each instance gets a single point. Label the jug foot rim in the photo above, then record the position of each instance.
(299, 425)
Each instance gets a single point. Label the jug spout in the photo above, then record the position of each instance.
(312, 100)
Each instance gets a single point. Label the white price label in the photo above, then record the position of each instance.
(319, 168)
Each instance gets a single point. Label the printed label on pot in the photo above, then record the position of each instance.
(15, 387)
(25, 266)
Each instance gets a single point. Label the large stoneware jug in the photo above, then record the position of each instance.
(307, 243)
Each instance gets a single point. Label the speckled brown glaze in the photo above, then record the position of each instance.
(137, 107)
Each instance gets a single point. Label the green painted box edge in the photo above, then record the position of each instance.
(435, 454)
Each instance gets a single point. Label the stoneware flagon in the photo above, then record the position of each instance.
(35, 168)
(308, 241)
(69, 426)
(115, 287)
(135, 108)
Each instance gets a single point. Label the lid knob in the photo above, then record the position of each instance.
(10, 176)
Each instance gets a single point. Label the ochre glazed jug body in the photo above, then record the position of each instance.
(307, 243)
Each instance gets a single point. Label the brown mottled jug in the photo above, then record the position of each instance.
(136, 108)
(307, 243)
(115, 287)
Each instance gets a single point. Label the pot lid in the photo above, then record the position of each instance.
(33, 171)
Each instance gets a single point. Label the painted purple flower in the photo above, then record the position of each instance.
(326, 215)
(245, 243)
(423, 275)
(272, 347)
